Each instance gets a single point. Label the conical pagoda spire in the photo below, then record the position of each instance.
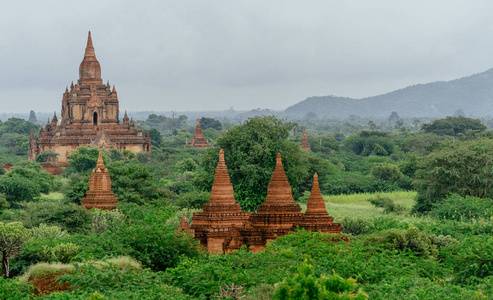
(198, 134)
(100, 163)
(316, 203)
(304, 144)
(222, 191)
(89, 69)
(279, 191)
(198, 140)
(89, 48)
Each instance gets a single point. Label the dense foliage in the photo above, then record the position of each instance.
(443, 254)
(462, 167)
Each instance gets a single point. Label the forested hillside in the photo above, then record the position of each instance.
(473, 95)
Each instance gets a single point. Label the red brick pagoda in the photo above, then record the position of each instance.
(100, 194)
(222, 227)
(304, 145)
(198, 140)
(90, 116)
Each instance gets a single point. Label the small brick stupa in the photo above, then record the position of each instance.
(222, 227)
(279, 214)
(304, 145)
(221, 214)
(198, 140)
(316, 217)
(100, 194)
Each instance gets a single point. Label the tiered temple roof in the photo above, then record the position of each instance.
(100, 194)
(89, 116)
(223, 227)
(304, 145)
(198, 140)
(221, 215)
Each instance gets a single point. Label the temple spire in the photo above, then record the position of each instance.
(89, 48)
(304, 145)
(279, 191)
(100, 163)
(89, 69)
(316, 203)
(222, 190)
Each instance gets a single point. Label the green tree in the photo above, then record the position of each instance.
(132, 182)
(16, 125)
(385, 171)
(84, 159)
(47, 156)
(453, 126)
(210, 123)
(156, 137)
(26, 181)
(250, 152)
(15, 143)
(464, 168)
(305, 285)
(370, 143)
(13, 236)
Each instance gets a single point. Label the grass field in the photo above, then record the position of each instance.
(358, 206)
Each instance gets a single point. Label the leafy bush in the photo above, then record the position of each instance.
(387, 204)
(305, 285)
(467, 208)
(63, 253)
(26, 181)
(192, 200)
(385, 171)
(104, 220)
(471, 259)
(353, 183)
(356, 226)
(464, 168)
(13, 290)
(421, 243)
(68, 216)
(46, 231)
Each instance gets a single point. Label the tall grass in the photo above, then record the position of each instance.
(363, 197)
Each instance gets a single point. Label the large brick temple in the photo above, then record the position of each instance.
(89, 116)
(222, 226)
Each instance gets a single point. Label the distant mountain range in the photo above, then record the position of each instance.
(473, 95)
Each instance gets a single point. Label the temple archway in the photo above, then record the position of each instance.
(95, 118)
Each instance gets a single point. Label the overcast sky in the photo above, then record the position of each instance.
(213, 55)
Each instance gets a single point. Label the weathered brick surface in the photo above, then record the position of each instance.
(198, 140)
(304, 145)
(100, 194)
(221, 226)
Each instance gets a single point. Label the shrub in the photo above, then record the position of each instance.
(421, 243)
(13, 290)
(356, 226)
(385, 171)
(471, 259)
(464, 168)
(45, 231)
(387, 204)
(63, 253)
(305, 285)
(192, 200)
(103, 220)
(69, 217)
(467, 208)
